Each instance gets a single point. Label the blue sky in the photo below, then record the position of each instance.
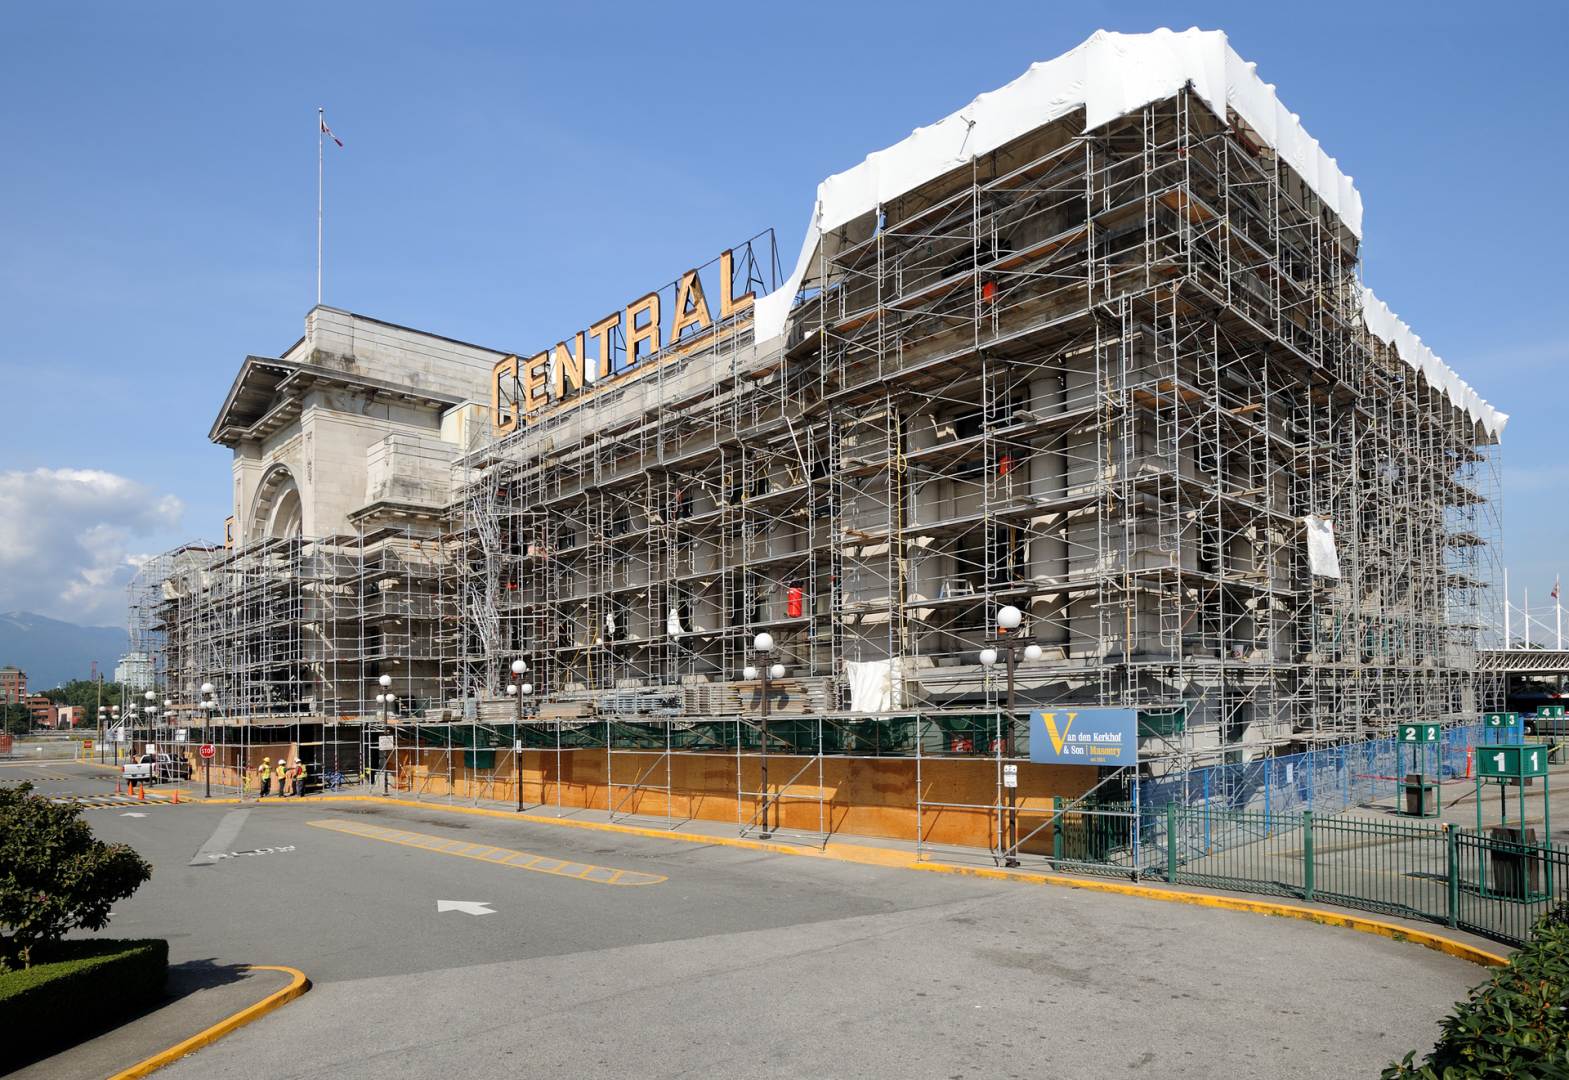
(511, 173)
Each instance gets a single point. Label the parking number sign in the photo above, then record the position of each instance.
(1512, 762)
(1418, 733)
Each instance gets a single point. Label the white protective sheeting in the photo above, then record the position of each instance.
(1387, 327)
(874, 685)
(1322, 557)
(1109, 75)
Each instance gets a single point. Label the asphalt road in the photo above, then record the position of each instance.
(736, 963)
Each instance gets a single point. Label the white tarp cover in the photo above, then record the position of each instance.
(1322, 557)
(1109, 75)
(1387, 327)
(874, 686)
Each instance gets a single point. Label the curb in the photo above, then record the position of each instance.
(887, 857)
(277, 999)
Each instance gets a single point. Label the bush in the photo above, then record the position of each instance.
(73, 988)
(54, 875)
(1515, 1024)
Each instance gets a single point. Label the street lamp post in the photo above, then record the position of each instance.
(385, 700)
(1009, 619)
(766, 671)
(208, 703)
(515, 689)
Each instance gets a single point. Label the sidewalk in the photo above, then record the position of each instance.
(200, 995)
(1457, 805)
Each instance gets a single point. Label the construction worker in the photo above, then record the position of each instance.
(299, 778)
(264, 775)
(280, 773)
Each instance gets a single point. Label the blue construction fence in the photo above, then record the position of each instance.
(1325, 780)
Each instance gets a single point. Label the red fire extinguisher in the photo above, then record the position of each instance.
(793, 602)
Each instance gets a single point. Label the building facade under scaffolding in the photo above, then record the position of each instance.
(1094, 347)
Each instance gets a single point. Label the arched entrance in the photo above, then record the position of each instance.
(277, 511)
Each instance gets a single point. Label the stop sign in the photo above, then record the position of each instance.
(207, 750)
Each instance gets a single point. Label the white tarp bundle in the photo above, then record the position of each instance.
(1323, 559)
(1387, 327)
(874, 686)
(1109, 75)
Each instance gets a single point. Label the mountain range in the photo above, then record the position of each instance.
(54, 652)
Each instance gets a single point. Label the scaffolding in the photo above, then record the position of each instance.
(1107, 377)
(1101, 377)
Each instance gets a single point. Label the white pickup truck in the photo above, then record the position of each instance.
(155, 768)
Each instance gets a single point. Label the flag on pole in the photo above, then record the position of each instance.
(1555, 587)
(327, 131)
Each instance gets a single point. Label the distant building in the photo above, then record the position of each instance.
(41, 710)
(134, 671)
(13, 686)
(69, 716)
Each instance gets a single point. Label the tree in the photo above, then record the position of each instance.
(15, 720)
(55, 875)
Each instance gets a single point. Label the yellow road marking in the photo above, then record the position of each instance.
(496, 856)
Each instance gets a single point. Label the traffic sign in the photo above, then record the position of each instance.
(208, 751)
(1010, 776)
(1418, 733)
(1511, 762)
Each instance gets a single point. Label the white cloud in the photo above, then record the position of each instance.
(64, 539)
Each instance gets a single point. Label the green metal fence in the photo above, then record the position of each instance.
(1492, 883)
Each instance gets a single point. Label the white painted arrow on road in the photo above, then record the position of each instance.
(468, 907)
(133, 815)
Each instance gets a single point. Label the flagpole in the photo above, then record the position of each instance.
(321, 125)
(1507, 644)
(1558, 614)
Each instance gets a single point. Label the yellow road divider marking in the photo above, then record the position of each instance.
(298, 984)
(496, 856)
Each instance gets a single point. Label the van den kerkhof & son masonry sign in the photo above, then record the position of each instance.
(1085, 737)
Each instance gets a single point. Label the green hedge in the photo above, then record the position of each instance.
(77, 988)
(1515, 1024)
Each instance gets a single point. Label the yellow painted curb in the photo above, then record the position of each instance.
(278, 998)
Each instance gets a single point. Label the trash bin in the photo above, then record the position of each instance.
(1515, 863)
(1421, 796)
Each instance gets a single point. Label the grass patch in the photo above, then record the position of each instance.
(74, 989)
